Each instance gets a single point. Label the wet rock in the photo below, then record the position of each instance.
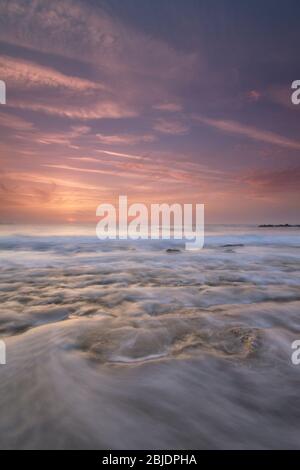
(233, 245)
(278, 226)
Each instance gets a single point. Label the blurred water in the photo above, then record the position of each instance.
(124, 345)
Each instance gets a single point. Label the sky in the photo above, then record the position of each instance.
(162, 101)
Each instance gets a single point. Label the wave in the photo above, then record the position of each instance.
(106, 338)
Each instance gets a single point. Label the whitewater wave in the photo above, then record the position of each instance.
(106, 338)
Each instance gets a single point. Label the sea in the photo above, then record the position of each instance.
(145, 345)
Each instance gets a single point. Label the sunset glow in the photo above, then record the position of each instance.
(139, 112)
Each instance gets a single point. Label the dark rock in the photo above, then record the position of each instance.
(278, 226)
(233, 245)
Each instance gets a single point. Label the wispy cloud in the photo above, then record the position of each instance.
(124, 139)
(170, 127)
(62, 138)
(123, 155)
(169, 107)
(81, 170)
(282, 180)
(44, 89)
(21, 73)
(233, 127)
(37, 178)
(73, 110)
(16, 123)
(118, 54)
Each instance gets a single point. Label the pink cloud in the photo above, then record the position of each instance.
(233, 127)
(169, 107)
(89, 110)
(21, 73)
(124, 139)
(170, 127)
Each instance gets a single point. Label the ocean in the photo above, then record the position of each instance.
(126, 345)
